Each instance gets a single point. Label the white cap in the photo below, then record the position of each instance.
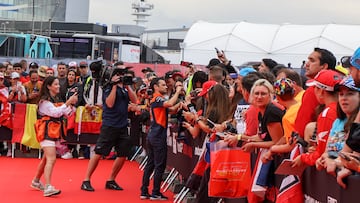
(73, 64)
(15, 75)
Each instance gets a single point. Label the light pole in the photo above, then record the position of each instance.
(182, 46)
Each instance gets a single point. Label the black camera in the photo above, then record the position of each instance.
(230, 128)
(296, 136)
(127, 80)
(149, 91)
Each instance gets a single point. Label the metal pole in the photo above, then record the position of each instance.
(33, 16)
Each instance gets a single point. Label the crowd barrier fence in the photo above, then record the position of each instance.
(183, 154)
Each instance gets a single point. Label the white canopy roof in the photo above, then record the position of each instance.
(285, 43)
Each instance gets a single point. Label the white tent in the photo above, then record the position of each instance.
(285, 43)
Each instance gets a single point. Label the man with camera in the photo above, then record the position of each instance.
(114, 133)
(156, 139)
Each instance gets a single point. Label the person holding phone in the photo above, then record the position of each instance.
(33, 87)
(50, 109)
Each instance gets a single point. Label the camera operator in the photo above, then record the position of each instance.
(114, 132)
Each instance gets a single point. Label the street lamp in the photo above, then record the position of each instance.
(3, 24)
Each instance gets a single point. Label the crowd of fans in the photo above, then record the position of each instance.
(268, 108)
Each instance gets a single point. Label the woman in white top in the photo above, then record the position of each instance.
(49, 108)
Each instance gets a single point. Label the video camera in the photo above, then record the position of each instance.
(109, 72)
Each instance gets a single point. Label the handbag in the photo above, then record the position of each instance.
(230, 171)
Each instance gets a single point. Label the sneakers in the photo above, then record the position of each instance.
(158, 197)
(112, 185)
(50, 191)
(37, 185)
(87, 186)
(144, 196)
(67, 155)
(81, 155)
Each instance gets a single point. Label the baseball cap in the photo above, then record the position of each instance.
(1, 75)
(206, 87)
(233, 75)
(349, 83)
(73, 64)
(342, 70)
(213, 62)
(245, 71)
(326, 79)
(355, 59)
(345, 61)
(284, 86)
(83, 63)
(42, 71)
(33, 65)
(146, 70)
(15, 75)
(177, 74)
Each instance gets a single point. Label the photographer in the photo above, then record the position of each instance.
(114, 132)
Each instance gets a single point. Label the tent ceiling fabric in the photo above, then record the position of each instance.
(285, 43)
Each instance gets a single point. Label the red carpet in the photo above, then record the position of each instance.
(16, 175)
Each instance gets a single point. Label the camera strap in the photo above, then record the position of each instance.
(96, 91)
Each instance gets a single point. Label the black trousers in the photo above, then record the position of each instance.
(157, 155)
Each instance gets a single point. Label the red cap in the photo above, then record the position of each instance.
(177, 74)
(326, 79)
(83, 63)
(206, 87)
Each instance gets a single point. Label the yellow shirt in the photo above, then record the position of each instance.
(288, 120)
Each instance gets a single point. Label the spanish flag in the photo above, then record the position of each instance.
(88, 120)
(24, 130)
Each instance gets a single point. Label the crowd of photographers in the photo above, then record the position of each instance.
(266, 108)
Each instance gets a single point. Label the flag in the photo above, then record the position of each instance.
(88, 120)
(291, 188)
(5, 113)
(24, 130)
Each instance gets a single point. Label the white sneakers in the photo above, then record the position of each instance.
(67, 155)
(50, 191)
(37, 185)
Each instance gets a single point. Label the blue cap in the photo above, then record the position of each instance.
(233, 75)
(245, 71)
(355, 59)
(349, 83)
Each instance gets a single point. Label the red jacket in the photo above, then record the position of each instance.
(324, 124)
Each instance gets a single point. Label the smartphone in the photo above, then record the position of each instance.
(74, 89)
(220, 135)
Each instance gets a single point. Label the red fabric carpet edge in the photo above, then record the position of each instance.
(16, 175)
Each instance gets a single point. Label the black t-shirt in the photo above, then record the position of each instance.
(272, 114)
(353, 140)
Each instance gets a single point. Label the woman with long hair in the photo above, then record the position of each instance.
(50, 114)
(217, 111)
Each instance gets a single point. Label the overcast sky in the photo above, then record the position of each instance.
(179, 13)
